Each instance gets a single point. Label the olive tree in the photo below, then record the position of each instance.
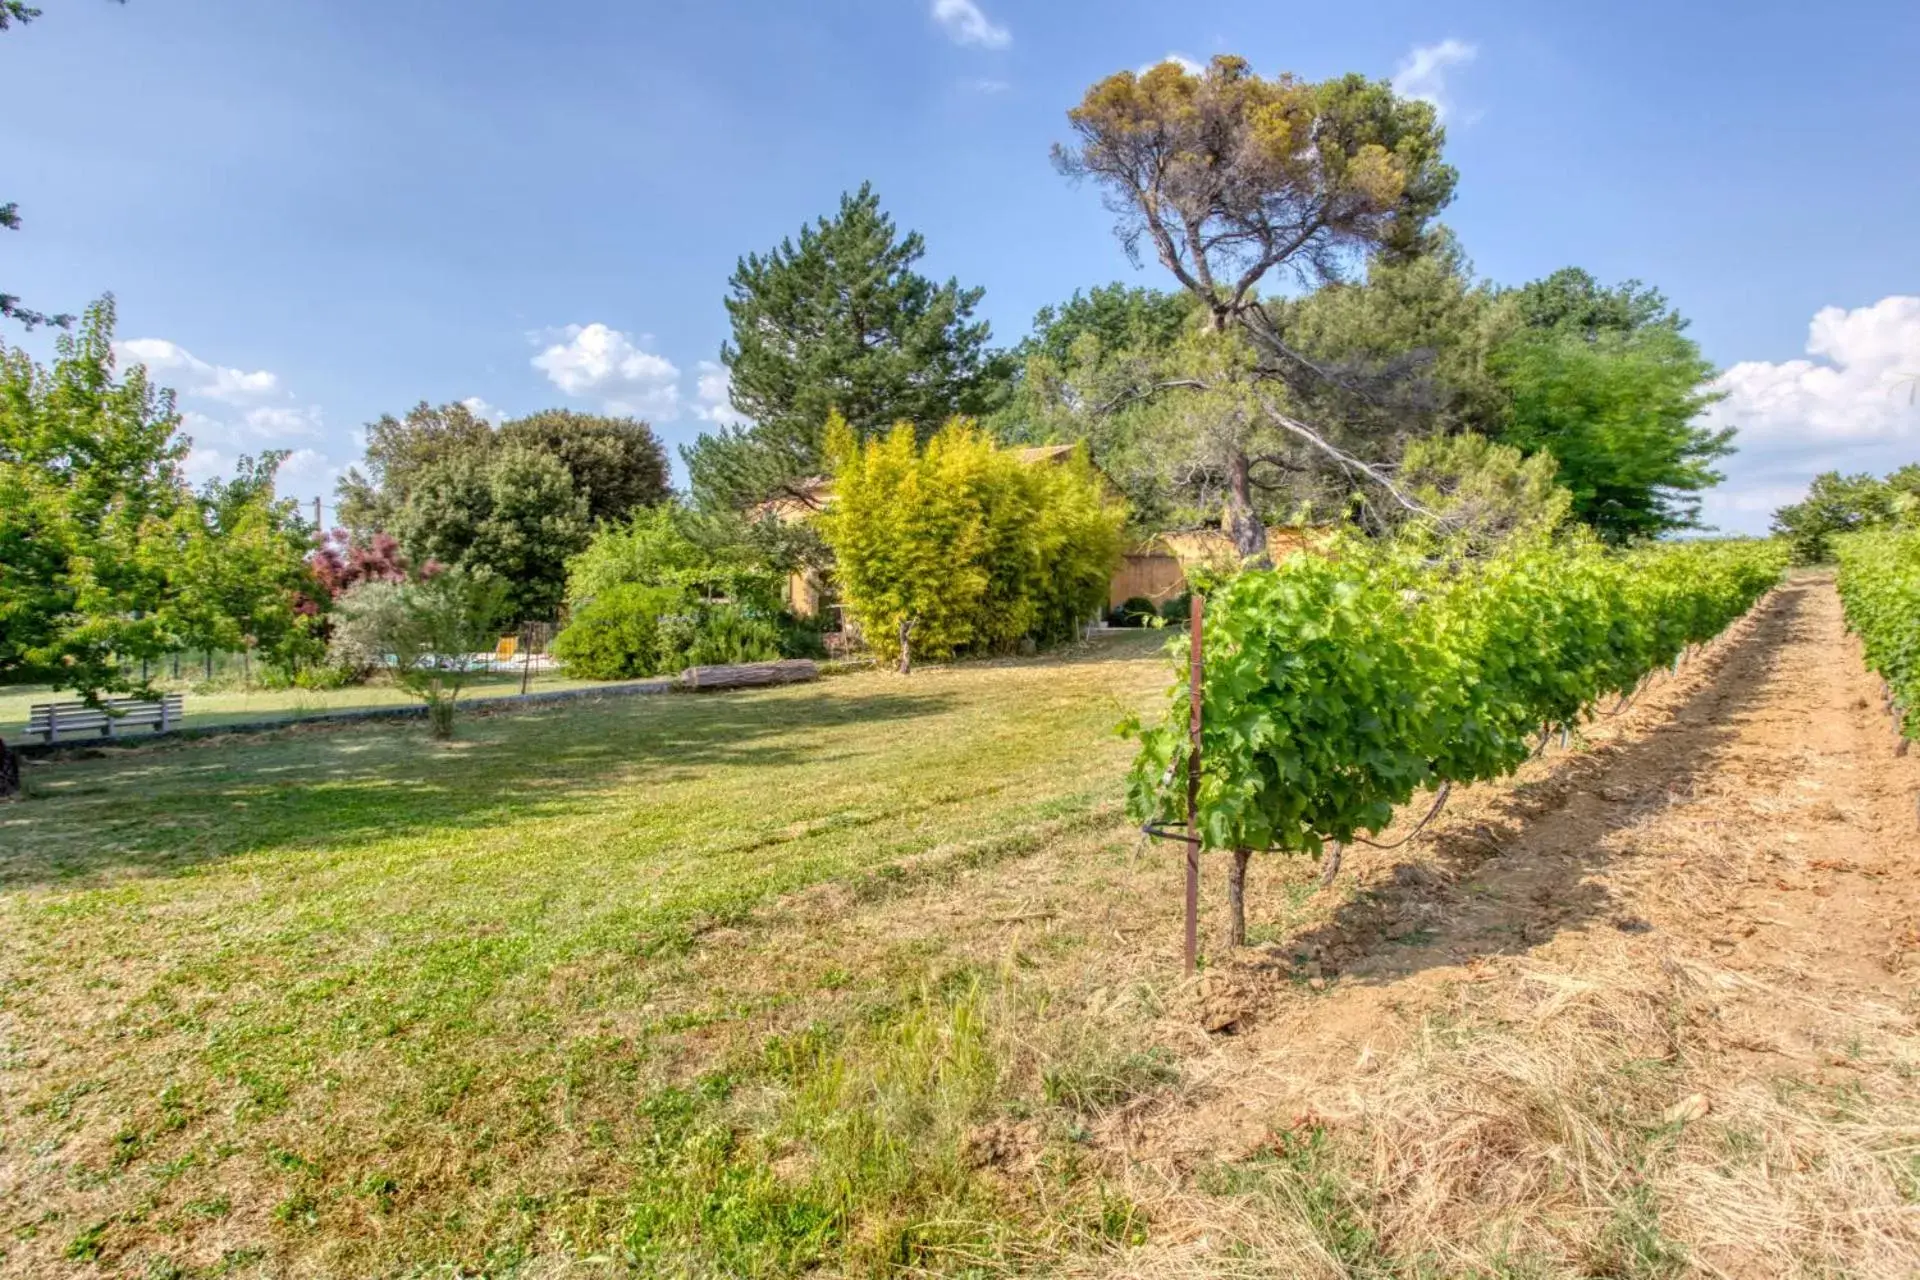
(427, 632)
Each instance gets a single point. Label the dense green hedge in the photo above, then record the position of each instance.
(1880, 589)
(1338, 686)
(630, 631)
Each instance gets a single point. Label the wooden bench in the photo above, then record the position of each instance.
(48, 720)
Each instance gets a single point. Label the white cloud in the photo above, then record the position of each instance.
(1847, 408)
(966, 24)
(596, 362)
(306, 472)
(234, 412)
(1192, 66)
(1853, 390)
(175, 366)
(713, 396)
(1422, 73)
(220, 439)
(280, 423)
(303, 472)
(481, 409)
(989, 86)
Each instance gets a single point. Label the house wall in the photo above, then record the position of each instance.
(1153, 574)
(803, 593)
(1157, 568)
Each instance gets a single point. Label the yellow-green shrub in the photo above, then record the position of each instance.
(960, 546)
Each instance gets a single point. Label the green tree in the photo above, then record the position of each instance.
(510, 514)
(704, 555)
(1230, 178)
(616, 464)
(1397, 356)
(1837, 504)
(237, 568)
(1484, 492)
(1080, 378)
(399, 451)
(91, 466)
(536, 521)
(1618, 412)
(89, 477)
(1573, 303)
(1904, 487)
(839, 322)
(958, 545)
(1115, 317)
(430, 630)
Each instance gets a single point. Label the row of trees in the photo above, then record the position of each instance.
(1387, 379)
(1839, 504)
(1327, 353)
(109, 559)
(1321, 323)
(512, 503)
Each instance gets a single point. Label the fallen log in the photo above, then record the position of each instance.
(749, 674)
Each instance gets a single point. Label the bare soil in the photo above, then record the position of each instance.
(1707, 907)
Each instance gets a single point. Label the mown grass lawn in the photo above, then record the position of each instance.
(239, 706)
(350, 1002)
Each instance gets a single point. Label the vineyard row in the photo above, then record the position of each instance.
(1880, 591)
(1336, 687)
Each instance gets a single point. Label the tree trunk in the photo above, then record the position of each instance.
(9, 772)
(1237, 898)
(1242, 521)
(1330, 864)
(906, 646)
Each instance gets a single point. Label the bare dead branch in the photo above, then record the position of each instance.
(1346, 460)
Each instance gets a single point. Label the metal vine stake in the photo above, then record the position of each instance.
(1189, 832)
(1196, 670)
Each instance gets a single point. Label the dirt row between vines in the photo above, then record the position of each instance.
(1648, 1010)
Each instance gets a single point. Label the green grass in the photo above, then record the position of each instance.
(228, 705)
(350, 1002)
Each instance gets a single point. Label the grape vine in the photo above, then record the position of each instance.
(1337, 686)
(1880, 590)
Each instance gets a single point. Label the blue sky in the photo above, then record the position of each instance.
(316, 211)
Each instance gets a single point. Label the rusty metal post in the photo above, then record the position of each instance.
(1195, 685)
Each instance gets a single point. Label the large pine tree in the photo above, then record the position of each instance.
(842, 322)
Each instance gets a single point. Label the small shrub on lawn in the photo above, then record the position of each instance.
(728, 634)
(426, 631)
(617, 635)
(630, 632)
